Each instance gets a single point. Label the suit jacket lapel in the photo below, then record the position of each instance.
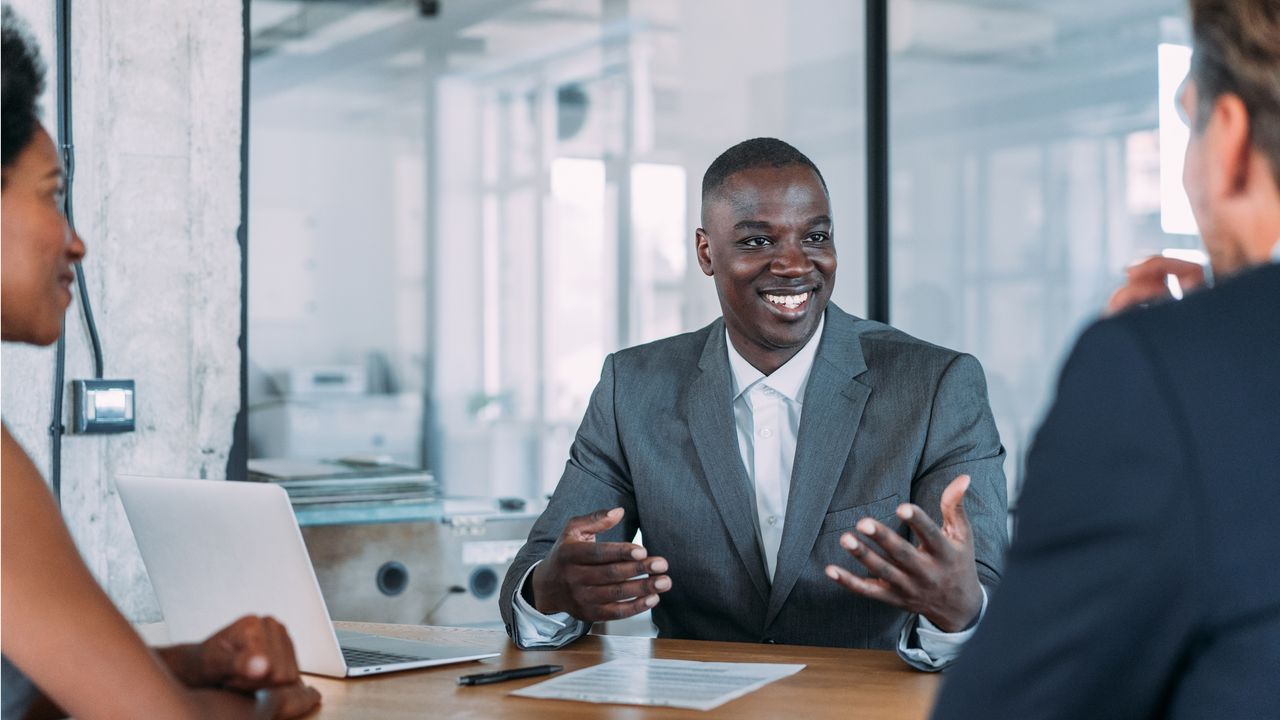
(833, 405)
(708, 408)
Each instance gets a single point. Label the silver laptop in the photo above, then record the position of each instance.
(217, 550)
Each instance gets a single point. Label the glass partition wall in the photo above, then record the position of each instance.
(568, 161)
(458, 209)
(1026, 144)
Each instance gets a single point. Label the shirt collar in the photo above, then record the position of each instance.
(1275, 252)
(789, 380)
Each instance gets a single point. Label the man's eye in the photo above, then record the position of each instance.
(756, 241)
(817, 238)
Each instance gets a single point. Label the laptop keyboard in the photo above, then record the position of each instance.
(369, 658)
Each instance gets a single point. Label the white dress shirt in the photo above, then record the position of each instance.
(766, 412)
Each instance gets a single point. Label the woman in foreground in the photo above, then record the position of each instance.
(66, 649)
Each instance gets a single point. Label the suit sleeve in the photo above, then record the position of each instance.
(595, 477)
(1094, 605)
(963, 440)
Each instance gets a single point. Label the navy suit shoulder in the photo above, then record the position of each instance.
(1141, 581)
(1219, 354)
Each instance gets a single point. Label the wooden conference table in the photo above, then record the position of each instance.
(836, 683)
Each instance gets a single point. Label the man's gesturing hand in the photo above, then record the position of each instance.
(936, 579)
(595, 581)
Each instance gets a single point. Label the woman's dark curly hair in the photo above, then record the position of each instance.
(22, 78)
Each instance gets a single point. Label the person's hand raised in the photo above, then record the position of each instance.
(937, 579)
(1145, 282)
(595, 581)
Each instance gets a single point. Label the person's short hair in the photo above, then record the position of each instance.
(22, 81)
(749, 155)
(1237, 51)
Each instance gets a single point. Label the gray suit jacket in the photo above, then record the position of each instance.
(887, 419)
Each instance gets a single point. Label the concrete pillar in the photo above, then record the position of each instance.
(157, 122)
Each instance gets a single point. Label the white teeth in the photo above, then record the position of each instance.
(789, 301)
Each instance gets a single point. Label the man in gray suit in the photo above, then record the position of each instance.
(749, 451)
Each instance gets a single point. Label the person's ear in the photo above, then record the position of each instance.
(1227, 148)
(702, 247)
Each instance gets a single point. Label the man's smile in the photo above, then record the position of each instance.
(791, 302)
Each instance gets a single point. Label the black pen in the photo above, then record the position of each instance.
(512, 674)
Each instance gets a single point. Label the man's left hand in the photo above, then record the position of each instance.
(937, 578)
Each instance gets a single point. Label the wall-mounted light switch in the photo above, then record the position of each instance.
(102, 406)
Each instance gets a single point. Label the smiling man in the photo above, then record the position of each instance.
(801, 475)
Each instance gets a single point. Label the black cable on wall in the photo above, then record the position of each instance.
(67, 147)
(238, 456)
(55, 425)
(63, 55)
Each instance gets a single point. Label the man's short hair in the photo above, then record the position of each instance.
(1237, 50)
(21, 84)
(749, 155)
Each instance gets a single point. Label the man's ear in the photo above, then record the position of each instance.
(1227, 147)
(702, 247)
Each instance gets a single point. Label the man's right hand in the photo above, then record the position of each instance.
(595, 581)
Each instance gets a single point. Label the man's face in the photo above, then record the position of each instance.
(768, 243)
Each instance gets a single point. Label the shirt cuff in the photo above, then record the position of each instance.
(936, 649)
(536, 630)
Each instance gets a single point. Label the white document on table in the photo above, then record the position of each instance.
(663, 683)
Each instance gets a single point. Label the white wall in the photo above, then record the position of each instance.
(157, 108)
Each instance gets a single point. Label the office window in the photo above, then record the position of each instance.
(1027, 151)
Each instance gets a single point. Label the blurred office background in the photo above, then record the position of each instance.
(458, 208)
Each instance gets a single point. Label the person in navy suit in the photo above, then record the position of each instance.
(1143, 578)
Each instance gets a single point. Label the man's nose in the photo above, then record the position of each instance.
(791, 260)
